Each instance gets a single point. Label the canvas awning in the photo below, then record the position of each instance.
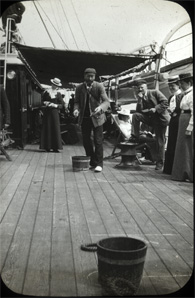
(69, 65)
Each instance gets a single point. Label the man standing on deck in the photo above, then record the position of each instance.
(90, 105)
(151, 109)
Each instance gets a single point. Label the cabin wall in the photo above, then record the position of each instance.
(25, 101)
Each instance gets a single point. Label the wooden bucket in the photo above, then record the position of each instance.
(120, 265)
(80, 163)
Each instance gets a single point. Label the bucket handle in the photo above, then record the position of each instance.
(92, 247)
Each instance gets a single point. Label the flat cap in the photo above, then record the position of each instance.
(90, 70)
(138, 82)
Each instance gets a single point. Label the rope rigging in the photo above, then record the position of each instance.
(63, 28)
(80, 24)
(69, 24)
(51, 24)
(44, 24)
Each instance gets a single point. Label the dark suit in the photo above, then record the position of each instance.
(4, 108)
(97, 98)
(158, 120)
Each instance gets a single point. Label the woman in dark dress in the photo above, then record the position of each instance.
(174, 110)
(183, 164)
(53, 102)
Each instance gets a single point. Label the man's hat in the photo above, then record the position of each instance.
(184, 76)
(138, 82)
(124, 112)
(90, 70)
(56, 82)
(173, 79)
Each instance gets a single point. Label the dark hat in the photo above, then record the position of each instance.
(90, 70)
(184, 76)
(173, 79)
(138, 82)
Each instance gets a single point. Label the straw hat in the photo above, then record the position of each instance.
(173, 79)
(124, 112)
(56, 82)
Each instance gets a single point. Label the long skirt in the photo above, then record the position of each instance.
(172, 139)
(50, 133)
(184, 153)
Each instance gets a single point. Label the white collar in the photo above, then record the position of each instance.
(188, 90)
(177, 92)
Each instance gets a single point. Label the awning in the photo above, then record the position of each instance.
(69, 65)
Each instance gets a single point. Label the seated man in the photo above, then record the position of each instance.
(151, 109)
(124, 123)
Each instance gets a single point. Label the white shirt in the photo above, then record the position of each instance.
(52, 92)
(172, 103)
(187, 104)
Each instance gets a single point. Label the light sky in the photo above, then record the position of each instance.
(103, 25)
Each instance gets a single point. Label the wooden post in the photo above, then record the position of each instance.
(116, 89)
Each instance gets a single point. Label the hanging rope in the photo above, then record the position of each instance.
(52, 25)
(63, 28)
(69, 24)
(80, 25)
(44, 24)
(53, 10)
(179, 38)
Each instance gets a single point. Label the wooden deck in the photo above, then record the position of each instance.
(48, 211)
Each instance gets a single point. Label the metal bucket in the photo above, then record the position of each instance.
(120, 265)
(80, 163)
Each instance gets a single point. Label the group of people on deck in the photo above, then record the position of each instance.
(153, 109)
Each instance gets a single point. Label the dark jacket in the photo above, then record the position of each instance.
(160, 103)
(4, 108)
(178, 100)
(98, 97)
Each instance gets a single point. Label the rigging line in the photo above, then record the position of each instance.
(53, 25)
(80, 24)
(53, 10)
(44, 24)
(181, 48)
(69, 25)
(179, 37)
(62, 26)
(166, 60)
(56, 20)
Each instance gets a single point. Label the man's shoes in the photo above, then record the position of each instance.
(159, 166)
(98, 169)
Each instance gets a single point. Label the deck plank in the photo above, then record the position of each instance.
(63, 281)
(17, 257)
(48, 211)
